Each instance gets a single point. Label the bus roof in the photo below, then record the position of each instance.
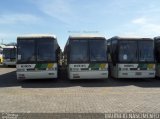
(85, 36)
(36, 36)
(6, 47)
(130, 38)
(2, 46)
(157, 38)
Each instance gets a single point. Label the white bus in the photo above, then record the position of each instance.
(1, 55)
(9, 55)
(157, 55)
(86, 57)
(37, 57)
(131, 57)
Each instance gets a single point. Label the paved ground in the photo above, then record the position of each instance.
(91, 96)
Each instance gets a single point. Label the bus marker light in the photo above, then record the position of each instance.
(76, 76)
(104, 73)
(51, 73)
(151, 73)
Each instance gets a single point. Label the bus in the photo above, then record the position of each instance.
(131, 57)
(9, 55)
(157, 55)
(1, 56)
(37, 57)
(1, 53)
(85, 57)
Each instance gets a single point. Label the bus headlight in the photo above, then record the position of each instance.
(151, 73)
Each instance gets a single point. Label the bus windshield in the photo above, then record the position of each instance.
(36, 50)
(127, 51)
(146, 51)
(79, 51)
(1, 51)
(98, 50)
(45, 50)
(6, 53)
(9, 53)
(13, 53)
(26, 50)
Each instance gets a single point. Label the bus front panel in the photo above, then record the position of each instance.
(36, 58)
(37, 71)
(88, 71)
(135, 59)
(88, 59)
(141, 70)
(9, 56)
(157, 55)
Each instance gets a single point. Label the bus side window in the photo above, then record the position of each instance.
(65, 54)
(114, 54)
(58, 54)
(157, 53)
(109, 53)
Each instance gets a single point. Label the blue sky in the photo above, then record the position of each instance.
(139, 18)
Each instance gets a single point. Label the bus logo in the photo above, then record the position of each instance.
(82, 65)
(26, 66)
(128, 65)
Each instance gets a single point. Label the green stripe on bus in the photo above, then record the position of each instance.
(96, 66)
(145, 66)
(41, 66)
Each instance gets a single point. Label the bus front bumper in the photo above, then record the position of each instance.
(136, 74)
(37, 75)
(88, 75)
(9, 63)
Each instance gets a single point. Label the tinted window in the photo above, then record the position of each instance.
(6, 53)
(98, 50)
(127, 51)
(9, 53)
(146, 50)
(26, 50)
(79, 51)
(45, 50)
(13, 53)
(1, 51)
(113, 51)
(157, 50)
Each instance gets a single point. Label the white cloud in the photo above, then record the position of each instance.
(17, 18)
(139, 21)
(58, 9)
(143, 27)
(150, 29)
(132, 34)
